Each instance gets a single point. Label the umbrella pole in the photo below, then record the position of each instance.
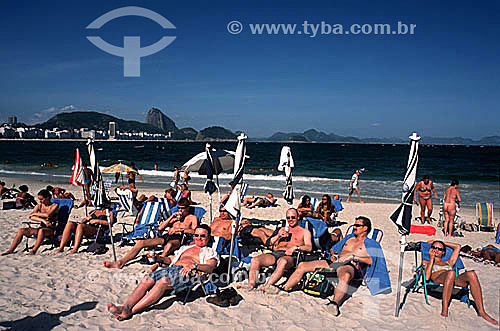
(234, 226)
(111, 234)
(402, 243)
(210, 199)
(84, 199)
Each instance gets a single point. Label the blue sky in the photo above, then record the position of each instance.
(441, 81)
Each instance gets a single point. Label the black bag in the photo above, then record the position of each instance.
(317, 285)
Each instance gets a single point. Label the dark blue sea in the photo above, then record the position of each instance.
(319, 168)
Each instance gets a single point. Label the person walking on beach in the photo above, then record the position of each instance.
(354, 186)
(424, 190)
(451, 200)
(177, 178)
(131, 175)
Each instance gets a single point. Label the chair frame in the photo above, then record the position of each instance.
(479, 217)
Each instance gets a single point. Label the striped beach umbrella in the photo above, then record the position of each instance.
(402, 216)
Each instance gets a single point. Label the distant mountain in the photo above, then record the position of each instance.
(156, 118)
(186, 133)
(215, 132)
(313, 135)
(95, 121)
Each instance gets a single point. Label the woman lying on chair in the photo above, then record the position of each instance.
(44, 213)
(87, 228)
(442, 272)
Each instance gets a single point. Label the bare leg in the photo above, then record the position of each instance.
(451, 219)
(446, 221)
(153, 295)
(469, 278)
(429, 208)
(345, 274)
(284, 263)
(448, 285)
(302, 268)
(263, 260)
(81, 231)
(19, 237)
(134, 252)
(359, 196)
(422, 209)
(66, 236)
(125, 311)
(42, 233)
(171, 246)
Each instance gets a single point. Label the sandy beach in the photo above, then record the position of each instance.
(71, 292)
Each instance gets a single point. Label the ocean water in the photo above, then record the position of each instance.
(319, 168)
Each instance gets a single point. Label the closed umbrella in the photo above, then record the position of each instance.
(286, 164)
(402, 216)
(100, 198)
(210, 186)
(233, 204)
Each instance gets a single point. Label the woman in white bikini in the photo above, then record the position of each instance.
(442, 272)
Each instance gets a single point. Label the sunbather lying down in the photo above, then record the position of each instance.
(487, 253)
(252, 202)
(254, 232)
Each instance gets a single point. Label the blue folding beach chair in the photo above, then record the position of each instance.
(146, 225)
(166, 207)
(126, 199)
(428, 285)
(65, 207)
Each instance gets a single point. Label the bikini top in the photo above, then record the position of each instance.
(441, 267)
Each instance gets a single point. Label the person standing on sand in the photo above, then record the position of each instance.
(424, 190)
(451, 199)
(354, 186)
(131, 175)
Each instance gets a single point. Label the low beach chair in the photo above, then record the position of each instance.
(428, 285)
(166, 207)
(484, 216)
(126, 199)
(65, 207)
(146, 224)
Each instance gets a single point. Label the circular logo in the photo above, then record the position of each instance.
(234, 27)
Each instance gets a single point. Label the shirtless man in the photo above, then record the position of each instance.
(181, 225)
(284, 242)
(345, 262)
(46, 214)
(451, 198)
(250, 231)
(250, 202)
(188, 259)
(221, 226)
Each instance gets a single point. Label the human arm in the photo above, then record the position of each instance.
(171, 220)
(305, 247)
(458, 197)
(416, 192)
(206, 268)
(456, 253)
(434, 190)
(276, 236)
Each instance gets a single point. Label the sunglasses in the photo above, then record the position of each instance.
(438, 248)
(291, 217)
(358, 225)
(223, 211)
(200, 235)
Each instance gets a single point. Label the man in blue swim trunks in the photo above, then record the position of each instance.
(175, 277)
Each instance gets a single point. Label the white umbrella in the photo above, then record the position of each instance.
(233, 204)
(222, 160)
(402, 216)
(286, 164)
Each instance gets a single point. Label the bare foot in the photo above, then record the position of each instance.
(7, 253)
(488, 318)
(71, 253)
(57, 252)
(114, 309)
(124, 314)
(444, 313)
(117, 264)
(32, 252)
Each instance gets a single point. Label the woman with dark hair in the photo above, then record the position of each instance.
(305, 207)
(24, 199)
(325, 209)
(442, 272)
(424, 190)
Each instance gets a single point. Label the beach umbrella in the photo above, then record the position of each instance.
(233, 204)
(100, 198)
(210, 186)
(119, 167)
(221, 160)
(286, 164)
(402, 216)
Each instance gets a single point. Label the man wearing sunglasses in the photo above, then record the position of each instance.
(221, 226)
(284, 242)
(181, 226)
(350, 254)
(189, 258)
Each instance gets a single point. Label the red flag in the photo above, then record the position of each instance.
(77, 177)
